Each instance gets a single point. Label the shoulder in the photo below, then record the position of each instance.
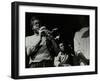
(59, 54)
(79, 33)
(84, 29)
(28, 39)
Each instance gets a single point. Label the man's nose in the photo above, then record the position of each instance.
(37, 24)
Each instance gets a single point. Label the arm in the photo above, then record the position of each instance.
(36, 48)
(32, 49)
(56, 61)
(83, 58)
(53, 45)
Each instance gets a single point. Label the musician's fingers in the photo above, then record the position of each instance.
(54, 29)
(42, 28)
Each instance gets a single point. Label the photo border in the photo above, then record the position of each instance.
(15, 39)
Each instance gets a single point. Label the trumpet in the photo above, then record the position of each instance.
(46, 32)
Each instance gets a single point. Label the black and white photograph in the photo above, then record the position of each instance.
(56, 40)
(50, 40)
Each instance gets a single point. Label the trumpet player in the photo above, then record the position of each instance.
(40, 47)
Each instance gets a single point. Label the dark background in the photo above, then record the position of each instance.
(67, 24)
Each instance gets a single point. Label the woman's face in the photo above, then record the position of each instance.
(61, 45)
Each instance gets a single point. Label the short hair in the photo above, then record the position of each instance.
(34, 18)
